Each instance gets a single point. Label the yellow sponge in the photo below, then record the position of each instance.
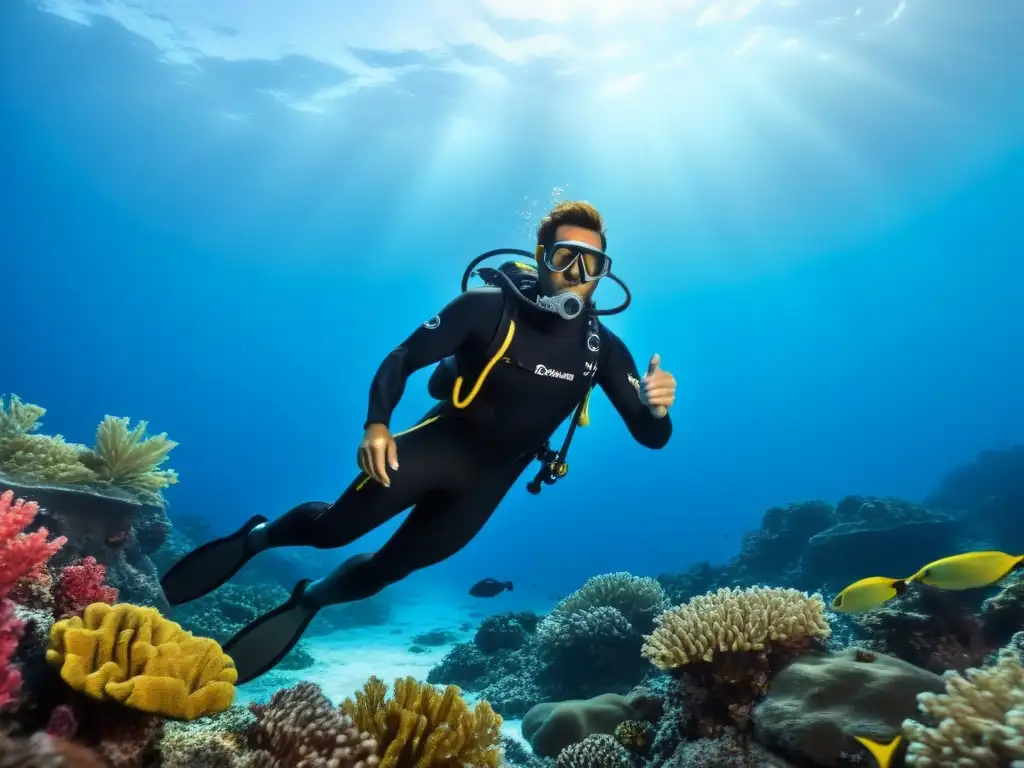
(135, 656)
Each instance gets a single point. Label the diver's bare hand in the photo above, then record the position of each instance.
(658, 390)
(378, 451)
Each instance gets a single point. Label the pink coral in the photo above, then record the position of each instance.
(80, 585)
(11, 629)
(21, 554)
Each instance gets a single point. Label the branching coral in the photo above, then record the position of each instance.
(979, 720)
(728, 620)
(420, 727)
(80, 585)
(22, 553)
(18, 417)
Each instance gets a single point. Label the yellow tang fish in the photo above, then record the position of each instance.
(867, 594)
(967, 571)
(881, 752)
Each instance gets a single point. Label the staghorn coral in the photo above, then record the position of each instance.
(597, 751)
(123, 456)
(420, 727)
(138, 658)
(979, 720)
(300, 728)
(728, 620)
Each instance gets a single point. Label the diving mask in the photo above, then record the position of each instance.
(593, 262)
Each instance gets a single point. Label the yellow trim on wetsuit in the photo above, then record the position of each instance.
(584, 419)
(483, 374)
(365, 480)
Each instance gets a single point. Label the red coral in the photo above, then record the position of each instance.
(80, 585)
(21, 554)
(11, 629)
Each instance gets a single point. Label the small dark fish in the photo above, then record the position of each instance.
(489, 588)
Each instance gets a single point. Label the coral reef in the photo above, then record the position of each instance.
(590, 641)
(106, 500)
(121, 458)
(988, 493)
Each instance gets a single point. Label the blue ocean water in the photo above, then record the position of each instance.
(219, 217)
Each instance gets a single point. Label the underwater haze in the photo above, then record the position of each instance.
(221, 215)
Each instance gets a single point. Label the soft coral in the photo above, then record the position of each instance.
(21, 554)
(80, 585)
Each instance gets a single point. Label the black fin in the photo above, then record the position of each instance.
(900, 585)
(260, 646)
(508, 585)
(207, 567)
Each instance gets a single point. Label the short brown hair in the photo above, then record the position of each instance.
(571, 213)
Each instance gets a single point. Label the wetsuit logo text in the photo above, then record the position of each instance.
(543, 370)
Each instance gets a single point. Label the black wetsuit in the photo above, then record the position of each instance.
(456, 465)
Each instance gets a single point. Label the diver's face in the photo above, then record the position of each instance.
(572, 279)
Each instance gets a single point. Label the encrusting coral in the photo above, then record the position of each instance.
(420, 727)
(120, 457)
(979, 720)
(135, 656)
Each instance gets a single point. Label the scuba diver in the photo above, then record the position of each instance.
(515, 358)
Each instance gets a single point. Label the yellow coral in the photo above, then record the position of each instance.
(46, 458)
(135, 656)
(18, 417)
(127, 458)
(421, 727)
(735, 620)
